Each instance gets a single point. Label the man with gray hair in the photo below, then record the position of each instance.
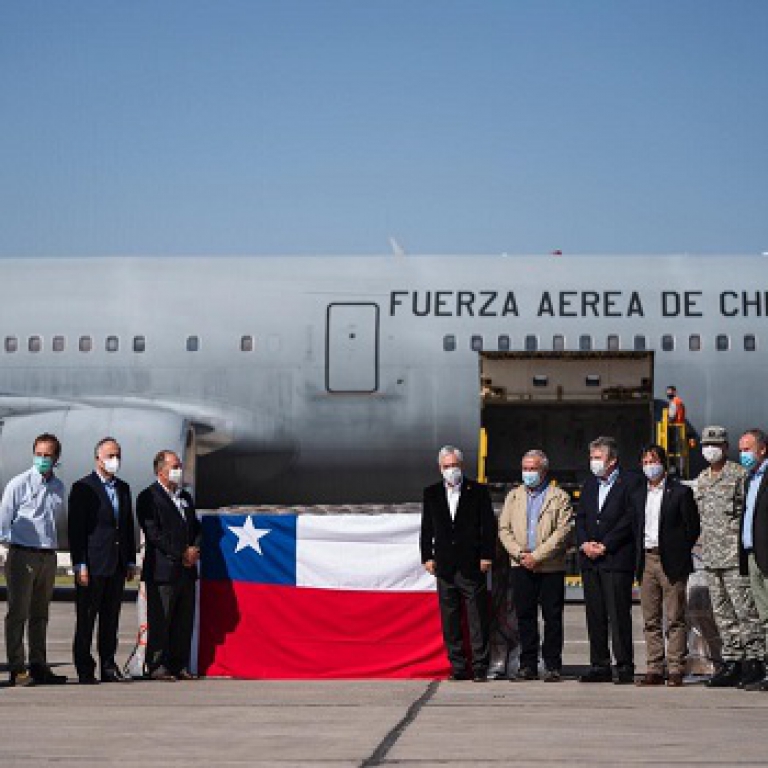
(458, 539)
(535, 528)
(605, 537)
(753, 549)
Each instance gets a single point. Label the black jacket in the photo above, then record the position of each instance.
(614, 526)
(459, 544)
(759, 529)
(103, 542)
(679, 529)
(167, 535)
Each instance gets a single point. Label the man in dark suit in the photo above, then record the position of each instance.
(167, 516)
(605, 537)
(458, 540)
(103, 547)
(753, 541)
(668, 527)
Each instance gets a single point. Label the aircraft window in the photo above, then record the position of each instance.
(246, 344)
(112, 344)
(592, 380)
(193, 343)
(750, 342)
(667, 342)
(58, 344)
(540, 381)
(476, 343)
(722, 343)
(11, 343)
(139, 344)
(558, 343)
(640, 344)
(85, 344)
(694, 342)
(585, 343)
(504, 344)
(531, 343)
(449, 343)
(612, 343)
(35, 344)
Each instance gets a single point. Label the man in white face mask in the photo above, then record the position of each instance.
(606, 543)
(667, 528)
(167, 516)
(720, 497)
(458, 540)
(103, 547)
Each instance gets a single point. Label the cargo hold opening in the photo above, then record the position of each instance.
(559, 402)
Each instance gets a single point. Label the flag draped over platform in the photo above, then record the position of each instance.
(317, 596)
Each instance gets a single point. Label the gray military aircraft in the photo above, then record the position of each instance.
(311, 379)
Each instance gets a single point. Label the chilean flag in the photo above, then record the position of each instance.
(317, 596)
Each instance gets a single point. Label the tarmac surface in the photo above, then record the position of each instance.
(372, 723)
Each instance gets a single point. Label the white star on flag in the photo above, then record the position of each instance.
(248, 536)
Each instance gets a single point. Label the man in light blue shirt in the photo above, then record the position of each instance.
(28, 512)
(753, 455)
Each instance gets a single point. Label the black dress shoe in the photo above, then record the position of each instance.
(185, 674)
(114, 675)
(456, 677)
(527, 673)
(161, 673)
(45, 676)
(597, 675)
(728, 676)
(480, 676)
(552, 676)
(87, 680)
(625, 677)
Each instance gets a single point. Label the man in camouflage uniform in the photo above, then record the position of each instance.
(720, 497)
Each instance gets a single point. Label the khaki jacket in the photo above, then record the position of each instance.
(553, 533)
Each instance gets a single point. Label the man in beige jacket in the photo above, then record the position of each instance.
(535, 527)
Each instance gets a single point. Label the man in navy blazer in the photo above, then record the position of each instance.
(605, 537)
(668, 526)
(167, 516)
(458, 541)
(103, 547)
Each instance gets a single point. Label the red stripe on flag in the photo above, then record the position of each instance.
(265, 631)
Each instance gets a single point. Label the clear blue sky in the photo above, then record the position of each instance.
(324, 126)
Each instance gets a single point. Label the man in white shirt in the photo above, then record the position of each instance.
(668, 527)
(458, 542)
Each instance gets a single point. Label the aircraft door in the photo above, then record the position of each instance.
(352, 348)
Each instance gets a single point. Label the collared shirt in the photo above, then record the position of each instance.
(604, 487)
(177, 500)
(453, 494)
(110, 487)
(754, 480)
(653, 514)
(534, 504)
(28, 510)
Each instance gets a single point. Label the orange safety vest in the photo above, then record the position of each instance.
(679, 417)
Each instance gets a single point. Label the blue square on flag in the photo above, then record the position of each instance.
(259, 549)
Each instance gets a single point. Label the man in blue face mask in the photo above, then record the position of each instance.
(535, 527)
(31, 501)
(753, 551)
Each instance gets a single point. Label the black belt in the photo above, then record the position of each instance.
(748, 551)
(36, 550)
(652, 551)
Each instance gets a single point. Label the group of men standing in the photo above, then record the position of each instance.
(103, 547)
(627, 526)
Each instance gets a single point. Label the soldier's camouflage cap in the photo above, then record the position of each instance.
(714, 435)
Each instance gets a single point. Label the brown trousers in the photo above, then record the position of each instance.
(661, 599)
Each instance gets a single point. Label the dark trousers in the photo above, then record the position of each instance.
(451, 591)
(101, 600)
(170, 615)
(531, 591)
(608, 602)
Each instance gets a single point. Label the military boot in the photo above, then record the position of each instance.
(728, 676)
(753, 672)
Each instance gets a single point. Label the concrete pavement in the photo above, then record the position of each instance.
(369, 723)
